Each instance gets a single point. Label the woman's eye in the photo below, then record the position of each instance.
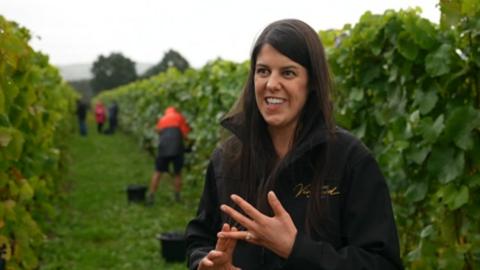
(289, 73)
(262, 71)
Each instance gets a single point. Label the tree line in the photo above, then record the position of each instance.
(114, 70)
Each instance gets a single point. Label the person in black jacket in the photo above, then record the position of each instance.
(82, 109)
(112, 118)
(288, 189)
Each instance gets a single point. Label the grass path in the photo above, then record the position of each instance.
(96, 227)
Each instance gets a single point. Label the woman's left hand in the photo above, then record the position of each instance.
(275, 233)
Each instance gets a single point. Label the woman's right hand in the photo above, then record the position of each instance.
(221, 257)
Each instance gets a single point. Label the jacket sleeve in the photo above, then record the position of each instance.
(201, 232)
(368, 228)
(184, 127)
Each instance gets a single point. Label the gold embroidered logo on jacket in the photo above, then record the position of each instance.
(305, 190)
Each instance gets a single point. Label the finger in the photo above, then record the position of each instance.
(217, 257)
(221, 243)
(213, 254)
(205, 262)
(233, 242)
(237, 216)
(238, 235)
(275, 204)
(247, 208)
(229, 244)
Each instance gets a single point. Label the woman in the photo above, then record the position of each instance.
(100, 116)
(288, 189)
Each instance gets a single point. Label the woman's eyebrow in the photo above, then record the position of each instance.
(284, 67)
(261, 65)
(291, 66)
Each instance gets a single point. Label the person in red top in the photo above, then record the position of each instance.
(172, 129)
(100, 115)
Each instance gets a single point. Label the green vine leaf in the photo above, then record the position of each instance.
(460, 124)
(438, 62)
(416, 192)
(406, 46)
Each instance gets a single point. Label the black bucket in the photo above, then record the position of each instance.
(173, 246)
(136, 193)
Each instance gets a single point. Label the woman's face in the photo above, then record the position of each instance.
(280, 88)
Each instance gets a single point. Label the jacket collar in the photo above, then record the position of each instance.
(318, 135)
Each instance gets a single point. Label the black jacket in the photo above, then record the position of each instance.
(359, 233)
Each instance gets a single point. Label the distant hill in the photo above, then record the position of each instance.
(77, 72)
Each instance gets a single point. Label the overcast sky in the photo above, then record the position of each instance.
(78, 31)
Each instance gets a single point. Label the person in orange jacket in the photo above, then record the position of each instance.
(172, 129)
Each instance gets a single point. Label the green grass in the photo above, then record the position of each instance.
(96, 228)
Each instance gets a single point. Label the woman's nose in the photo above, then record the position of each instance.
(273, 82)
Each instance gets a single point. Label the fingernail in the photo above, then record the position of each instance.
(223, 207)
(220, 235)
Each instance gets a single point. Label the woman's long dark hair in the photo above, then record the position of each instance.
(254, 157)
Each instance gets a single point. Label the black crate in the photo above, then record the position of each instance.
(136, 193)
(173, 246)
